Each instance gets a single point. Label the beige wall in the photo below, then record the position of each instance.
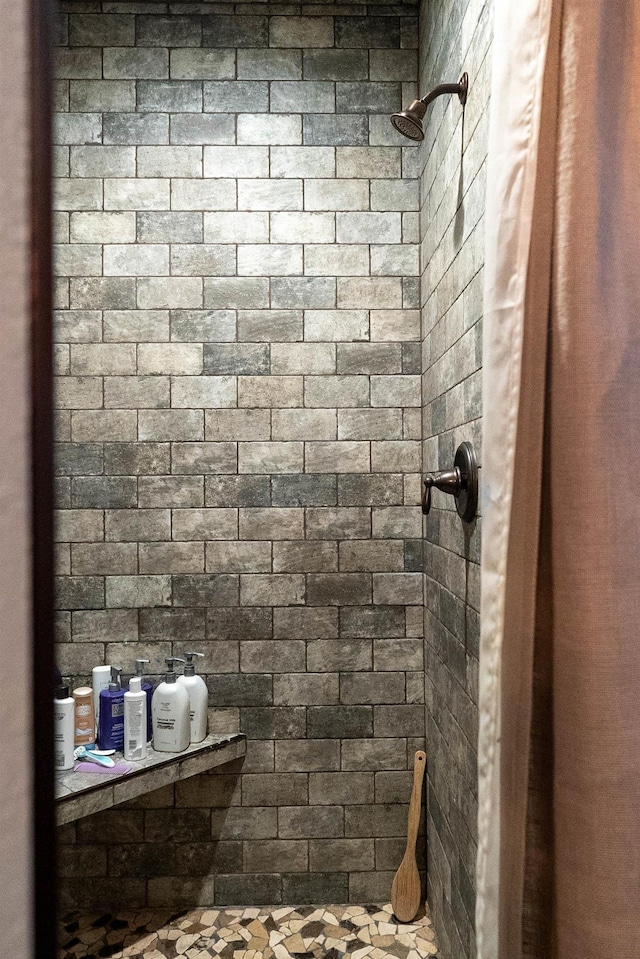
(15, 661)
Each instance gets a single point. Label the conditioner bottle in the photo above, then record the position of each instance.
(135, 721)
(170, 712)
(63, 708)
(148, 688)
(198, 698)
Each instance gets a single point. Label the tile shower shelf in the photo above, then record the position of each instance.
(81, 794)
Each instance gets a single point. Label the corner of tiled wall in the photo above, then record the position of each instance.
(455, 37)
(239, 435)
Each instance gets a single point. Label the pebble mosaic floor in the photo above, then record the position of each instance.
(284, 932)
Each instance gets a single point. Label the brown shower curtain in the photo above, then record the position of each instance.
(559, 749)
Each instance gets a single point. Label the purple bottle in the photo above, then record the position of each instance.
(111, 721)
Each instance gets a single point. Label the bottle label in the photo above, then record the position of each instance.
(165, 723)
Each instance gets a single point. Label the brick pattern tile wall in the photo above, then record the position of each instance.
(455, 36)
(239, 431)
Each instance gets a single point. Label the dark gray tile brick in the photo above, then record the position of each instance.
(339, 722)
(316, 489)
(236, 358)
(205, 590)
(367, 32)
(219, 30)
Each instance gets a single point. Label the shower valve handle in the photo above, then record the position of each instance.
(461, 482)
(449, 481)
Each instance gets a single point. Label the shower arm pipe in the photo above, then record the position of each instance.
(460, 88)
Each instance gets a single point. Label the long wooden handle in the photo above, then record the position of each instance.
(419, 763)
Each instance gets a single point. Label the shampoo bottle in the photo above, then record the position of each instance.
(170, 710)
(198, 698)
(63, 706)
(135, 721)
(85, 723)
(148, 688)
(111, 724)
(101, 677)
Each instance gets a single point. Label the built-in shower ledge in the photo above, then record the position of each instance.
(81, 794)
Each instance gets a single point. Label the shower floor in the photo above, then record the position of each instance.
(279, 932)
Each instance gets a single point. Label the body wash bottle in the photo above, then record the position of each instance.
(111, 725)
(170, 709)
(198, 698)
(63, 707)
(148, 688)
(85, 724)
(135, 721)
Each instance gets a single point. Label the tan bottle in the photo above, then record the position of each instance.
(84, 716)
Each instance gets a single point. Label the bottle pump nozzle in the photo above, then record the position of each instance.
(115, 684)
(190, 668)
(171, 673)
(139, 666)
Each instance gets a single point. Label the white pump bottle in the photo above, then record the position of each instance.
(135, 721)
(198, 698)
(170, 713)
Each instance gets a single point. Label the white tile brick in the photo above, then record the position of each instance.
(203, 194)
(368, 227)
(136, 325)
(305, 96)
(395, 325)
(269, 195)
(69, 128)
(348, 325)
(383, 162)
(173, 292)
(236, 293)
(76, 194)
(103, 358)
(193, 392)
(255, 64)
(236, 161)
(336, 194)
(165, 161)
(395, 260)
(270, 457)
(336, 260)
(170, 358)
(304, 424)
(369, 292)
(269, 259)
(303, 358)
(137, 194)
(102, 96)
(136, 260)
(103, 227)
(236, 227)
(340, 457)
(262, 128)
(302, 227)
(124, 63)
(77, 259)
(103, 161)
(303, 162)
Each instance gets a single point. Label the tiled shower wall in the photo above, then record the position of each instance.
(238, 349)
(455, 36)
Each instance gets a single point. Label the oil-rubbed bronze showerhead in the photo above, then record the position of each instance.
(409, 122)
